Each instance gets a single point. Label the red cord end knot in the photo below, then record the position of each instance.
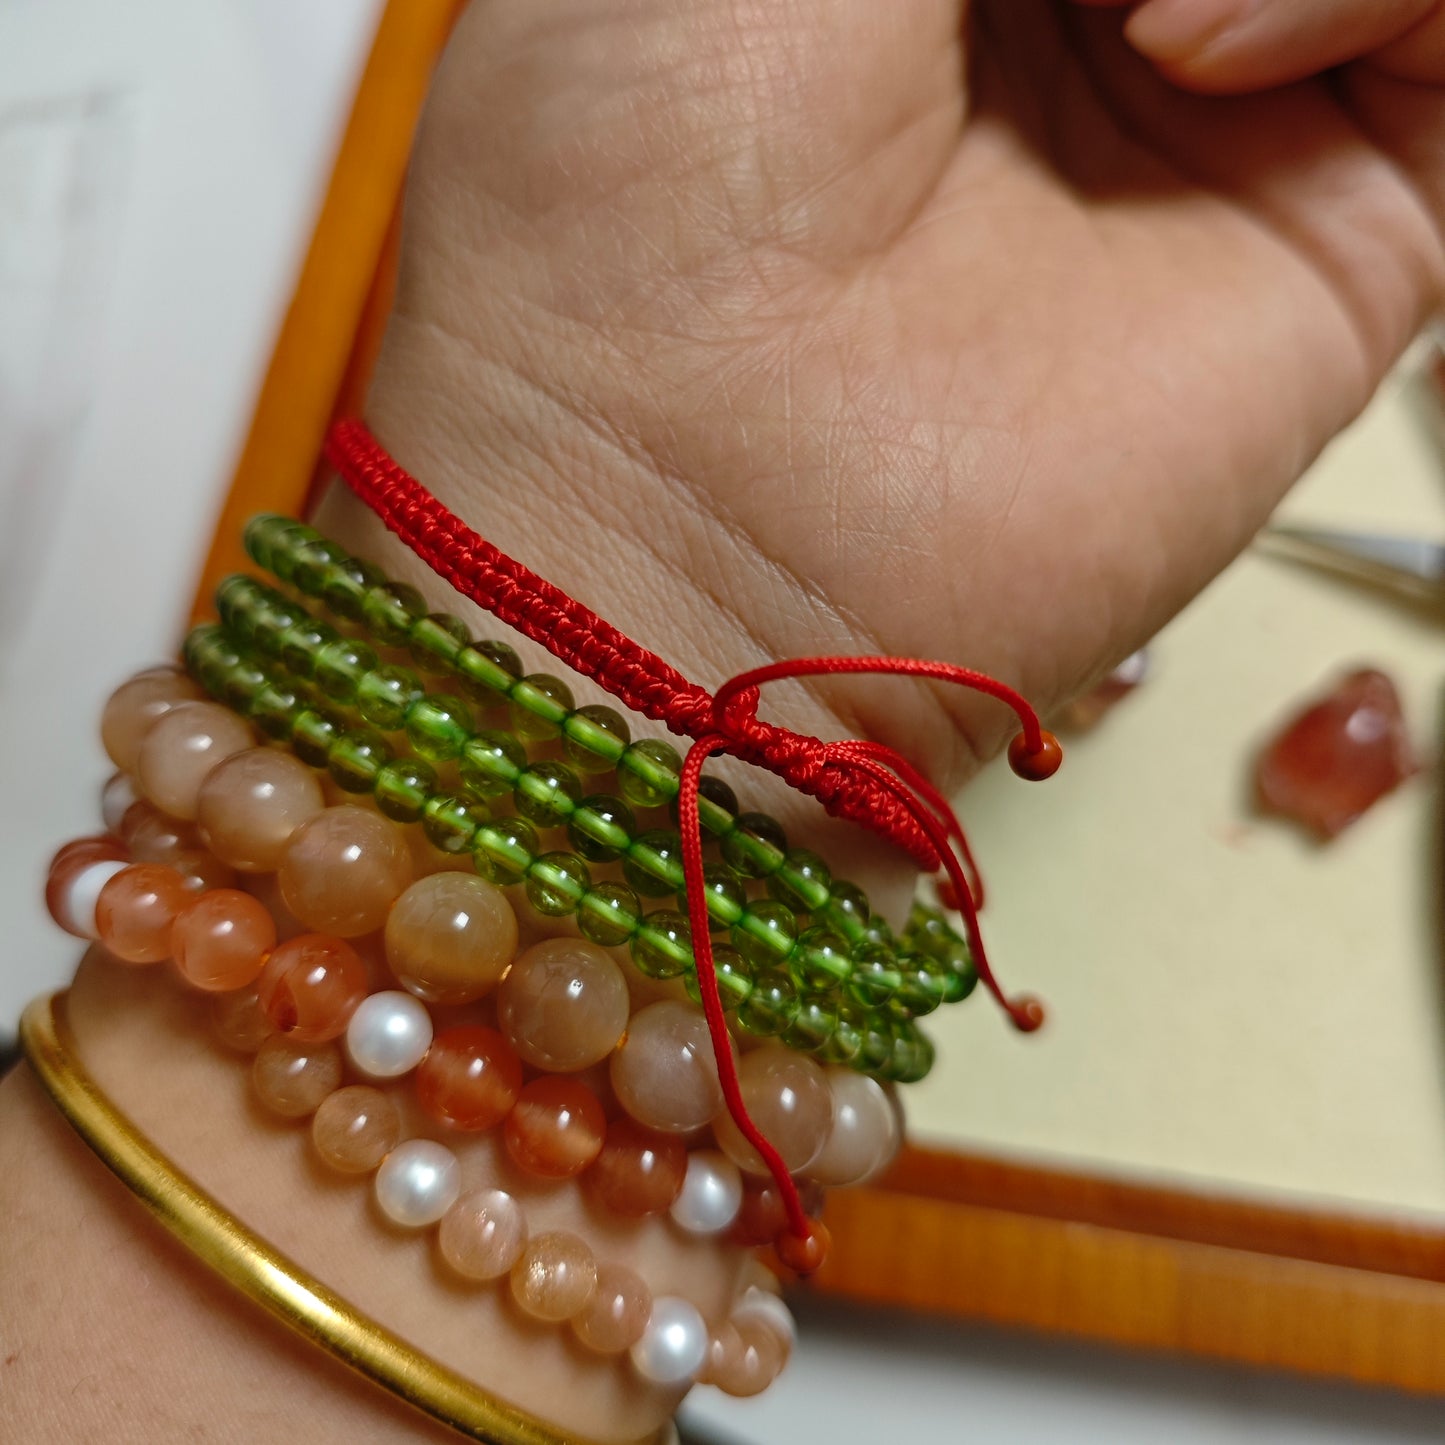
(804, 1253)
(1026, 1013)
(1035, 764)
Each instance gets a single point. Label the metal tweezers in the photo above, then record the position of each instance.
(1411, 567)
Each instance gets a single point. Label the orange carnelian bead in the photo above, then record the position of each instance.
(638, 1171)
(311, 986)
(136, 909)
(556, 1128)
(470, 1078)
(239, 1022)
(1035, 765)
(342, 871)
(220, 940)
(804, 1253)
(152, 837)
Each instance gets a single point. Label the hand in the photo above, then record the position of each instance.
(833, 325)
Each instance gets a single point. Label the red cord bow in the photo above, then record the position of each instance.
(864, 782)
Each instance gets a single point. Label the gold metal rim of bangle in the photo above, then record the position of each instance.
(278, 1284)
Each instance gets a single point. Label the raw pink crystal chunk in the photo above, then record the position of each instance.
(1339, 757)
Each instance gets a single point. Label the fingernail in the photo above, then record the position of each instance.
(1179, 29)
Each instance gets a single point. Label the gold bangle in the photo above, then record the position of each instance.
(224, 1244)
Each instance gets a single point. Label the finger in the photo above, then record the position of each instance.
(1243, 45)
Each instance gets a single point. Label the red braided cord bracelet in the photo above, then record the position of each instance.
(865, 782)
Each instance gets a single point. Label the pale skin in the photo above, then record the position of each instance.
(754, 326)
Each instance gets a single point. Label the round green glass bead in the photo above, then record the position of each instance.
(595, 737)
(272, 617)
(766, 934)
(451, 821)
(846, 909)
(547, 792)
(275, 705)
(912, 1056)
(345, 585)
(439, 727)
(803, 881)
(821, 963)
(757, 847)
(538, 706)
(717, 806)
(503, 850)
(647, 772)
(845, 1044)
(435, 641)
(609, 914)
(287, 543)
(208, 653)
(876, 976)
(313, 735)
(356, 758)
(875, 1051)
(920, 991)
(557, 883)
(390, 610)
(812, 1026)
(341, 666)
(403, 787)
(235, 598)
(311, 562)
(734, 979)
(653, 864)
(727, 899)
(488, 670)
(962, 976)
(384, 695)
(264, 532)
(771, 1007)
(491, 763)
(662, 946)
(601, 827)
(242, 683)
(303, 643)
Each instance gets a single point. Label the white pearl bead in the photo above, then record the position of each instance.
(764, 1304)
(418, 1182)
(389, 1034)
(674, 1344)
(78, 903)
(117, 795)
(711, 1193)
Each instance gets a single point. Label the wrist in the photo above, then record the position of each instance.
(571, 499)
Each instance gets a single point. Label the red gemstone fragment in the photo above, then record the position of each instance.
(1339, 757)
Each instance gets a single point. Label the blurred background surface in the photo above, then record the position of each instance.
(161, 164)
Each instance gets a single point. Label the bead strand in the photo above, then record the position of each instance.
(506, 851)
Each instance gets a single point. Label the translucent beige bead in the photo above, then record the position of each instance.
(554, 1277)
(239, 1022)
(342, 871)
(788, 1097)
(564, 1005)
(181, 747)
(251, 804)
(665, 1073)
(744, 1358)
(483, 1234)
(291, 1079)
(614, 1318)
(450, 937)
(865, 1133)
(355, 1128)
(135, 705)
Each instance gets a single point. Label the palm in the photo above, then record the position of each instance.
(982, 375)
